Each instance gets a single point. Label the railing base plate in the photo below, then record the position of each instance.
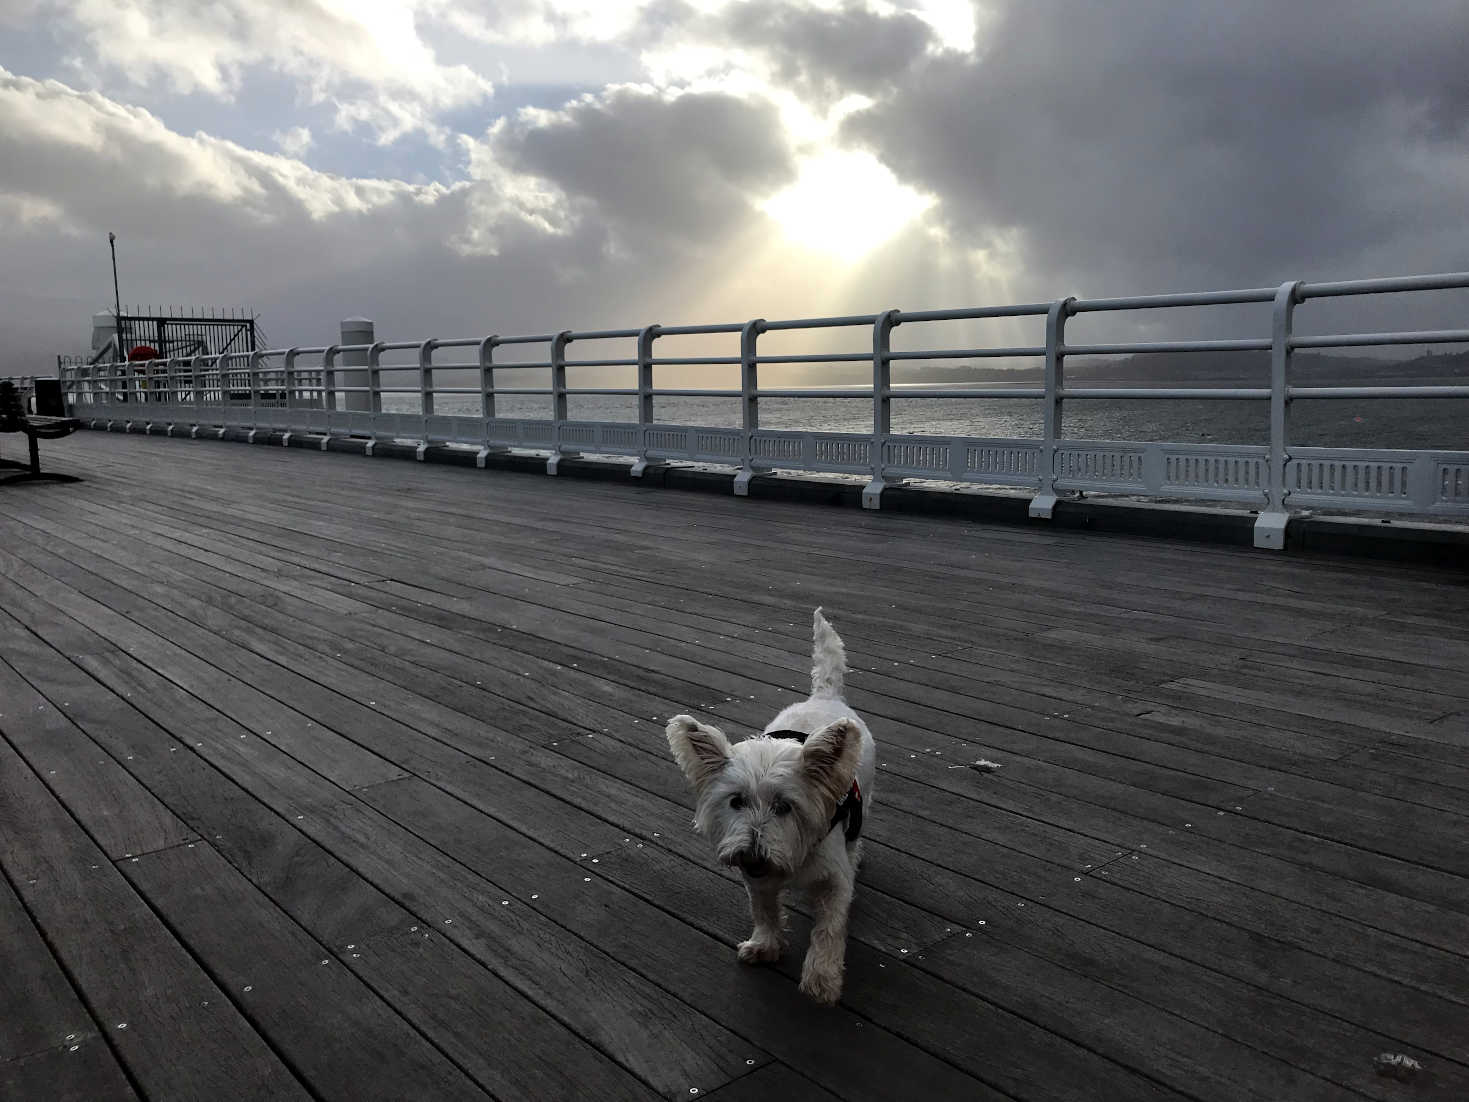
(1270, 531)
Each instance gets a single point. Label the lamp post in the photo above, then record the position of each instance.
(116, 298)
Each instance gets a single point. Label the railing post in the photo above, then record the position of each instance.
(328, 389)
(1271, 523)
(221, 372)
(1045, 500)
(487, 376)
(558, 400)
(425, 392)
(176, 367)
(1423, 484)
(289, 380)
(329, 377)
(749, 401)
(426, 375)
(374, 391)
(196, 369)
(487, 393)
(882, 403)
(252, 368)
(288, 390)
(375, 377)
(646, 336)
(162, 387)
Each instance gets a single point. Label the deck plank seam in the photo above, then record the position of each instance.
(173, 933)
(320, 942)
(550, 1011)
(1195, 964)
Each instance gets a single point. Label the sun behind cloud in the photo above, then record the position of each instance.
(844, 203)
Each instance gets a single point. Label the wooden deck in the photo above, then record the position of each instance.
(328, 777)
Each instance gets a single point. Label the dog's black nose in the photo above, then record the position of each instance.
(753, 865)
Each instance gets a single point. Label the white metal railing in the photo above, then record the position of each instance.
(337, 390)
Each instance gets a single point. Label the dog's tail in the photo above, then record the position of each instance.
(828, 658)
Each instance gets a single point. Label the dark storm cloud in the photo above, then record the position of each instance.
(1142, 145)
(654, 166)
(825, 54)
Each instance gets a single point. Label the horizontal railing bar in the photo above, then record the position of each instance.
(601, 363)
(602, 391)
(1163, 302)
(968, 353)
(818, 358)
(1209, 393)
(399, 346)
(1023, 310)
(1379, 391)
(698, 330)
(460, 342)
(914, 390)
(1354, 340)
(822, 323)
(831, 392)
(539, 338)
(694, 392)
(683, 361)
(1133, 348)
(604, 334)
(1443, 281)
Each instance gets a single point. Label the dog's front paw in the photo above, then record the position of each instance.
(821, 986)
(756, 951)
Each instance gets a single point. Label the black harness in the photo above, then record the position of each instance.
(849, 811)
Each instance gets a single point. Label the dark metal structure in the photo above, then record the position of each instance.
(188, 332)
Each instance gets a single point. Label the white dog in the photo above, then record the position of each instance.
(786, 809)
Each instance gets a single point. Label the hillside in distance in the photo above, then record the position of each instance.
(1210, 369)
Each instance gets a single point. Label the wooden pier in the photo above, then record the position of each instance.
(344, 778)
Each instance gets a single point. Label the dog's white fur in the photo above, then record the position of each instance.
(766, 806)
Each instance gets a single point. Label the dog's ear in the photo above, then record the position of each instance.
(700, 750)
(829, 759)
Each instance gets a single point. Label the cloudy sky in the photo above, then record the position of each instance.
(457, 167)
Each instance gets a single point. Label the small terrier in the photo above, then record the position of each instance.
(786, 809)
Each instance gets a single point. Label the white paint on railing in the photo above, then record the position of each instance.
(297, 391)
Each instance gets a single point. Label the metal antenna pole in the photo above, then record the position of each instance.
(116, 298)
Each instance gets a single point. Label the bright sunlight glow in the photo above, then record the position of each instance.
(844, 204)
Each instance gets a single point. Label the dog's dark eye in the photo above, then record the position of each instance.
(780, 807)
(736, 802)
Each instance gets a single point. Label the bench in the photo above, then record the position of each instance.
(13, 418)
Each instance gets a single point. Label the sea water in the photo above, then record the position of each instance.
(1416, 423)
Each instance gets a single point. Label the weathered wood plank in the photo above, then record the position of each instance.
(177, 1032)
(121, 815)
(448, 995)
(1296, 905)
(86, 1071)
(284, 979)
(703, 971)
(665, 1043)
(39, 1009)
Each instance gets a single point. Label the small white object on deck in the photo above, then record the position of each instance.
(1397, 1065)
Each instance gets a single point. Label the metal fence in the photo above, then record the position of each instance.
(313, 391)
